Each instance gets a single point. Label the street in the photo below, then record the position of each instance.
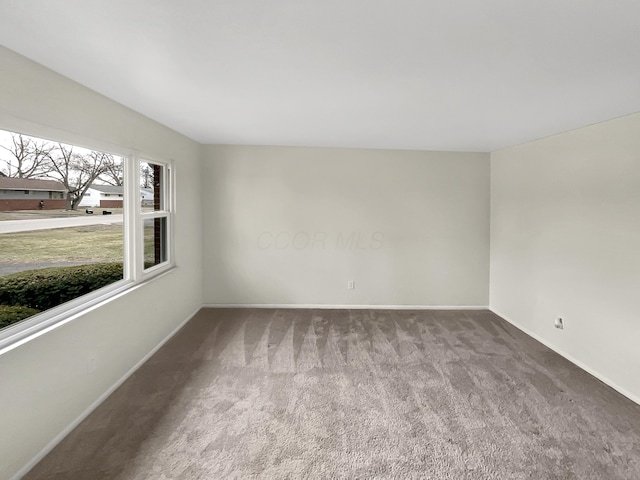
(12, 226)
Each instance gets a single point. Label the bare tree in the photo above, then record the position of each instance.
(28, 157)
(114, 171)
(77, 171)
(146, 175)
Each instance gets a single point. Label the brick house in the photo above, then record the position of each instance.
(31, 194)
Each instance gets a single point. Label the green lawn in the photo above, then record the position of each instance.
(91, 243)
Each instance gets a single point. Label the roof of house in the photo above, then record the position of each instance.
(11, 183)
(108, 188)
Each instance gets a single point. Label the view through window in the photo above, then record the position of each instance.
(154, 213)
(61, 223)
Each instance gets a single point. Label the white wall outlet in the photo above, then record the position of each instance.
(559, 323)
(351, 284)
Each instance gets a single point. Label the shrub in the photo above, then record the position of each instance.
(48, 287)
(10, 314)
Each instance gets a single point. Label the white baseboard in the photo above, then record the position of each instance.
(345, 307)
(578, 363)
(67, 430)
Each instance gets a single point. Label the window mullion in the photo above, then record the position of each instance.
(133, 236)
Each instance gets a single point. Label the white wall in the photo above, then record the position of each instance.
(289, 225)
(44, 384)
(565, 240)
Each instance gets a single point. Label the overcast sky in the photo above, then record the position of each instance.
(5, 140)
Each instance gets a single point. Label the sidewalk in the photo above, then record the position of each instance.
(12, 226)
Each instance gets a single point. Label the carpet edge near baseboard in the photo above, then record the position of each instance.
(323, 306)
(594, 373)
(67, 430)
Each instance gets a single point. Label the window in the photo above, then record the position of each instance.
(132, 244)
(155, 215)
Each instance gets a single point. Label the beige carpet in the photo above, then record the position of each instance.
(354, 394)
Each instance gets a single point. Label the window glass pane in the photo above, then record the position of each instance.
(60, 237)
(155, 241)
(151, 186)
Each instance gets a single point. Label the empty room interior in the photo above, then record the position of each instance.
(404, 241)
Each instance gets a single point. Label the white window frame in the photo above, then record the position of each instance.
(138, 272)
(134, 273)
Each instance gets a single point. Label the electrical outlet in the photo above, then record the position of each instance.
(351, 284)
(559, 323)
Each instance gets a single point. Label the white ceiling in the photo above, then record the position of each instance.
(468, 75)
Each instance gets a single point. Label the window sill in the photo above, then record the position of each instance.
(22, 332)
